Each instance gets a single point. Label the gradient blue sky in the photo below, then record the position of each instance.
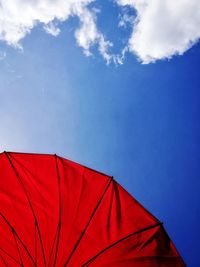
(139, 123)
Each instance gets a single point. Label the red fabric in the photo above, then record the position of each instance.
(56, 213)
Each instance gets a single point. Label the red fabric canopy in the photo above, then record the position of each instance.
(54, 212)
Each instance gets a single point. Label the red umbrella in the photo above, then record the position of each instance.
(54, 212)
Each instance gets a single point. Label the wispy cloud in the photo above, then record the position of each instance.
(160, 29)
(88, 34)
(52, 29)
(2, 55)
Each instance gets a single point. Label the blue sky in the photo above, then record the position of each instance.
(137, 122)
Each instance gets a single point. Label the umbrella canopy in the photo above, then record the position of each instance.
(57, 213)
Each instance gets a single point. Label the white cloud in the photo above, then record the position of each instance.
(160, 29)
(18, 17)
(163, 28)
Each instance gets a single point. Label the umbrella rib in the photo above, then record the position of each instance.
(5, 252)
(13, 232)
(57, 234)
(30, 204)
(4, 261)
(59, 222)
(53, 244)
(84, 230)
(120, 240)
(12, 229)
(35, 241)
